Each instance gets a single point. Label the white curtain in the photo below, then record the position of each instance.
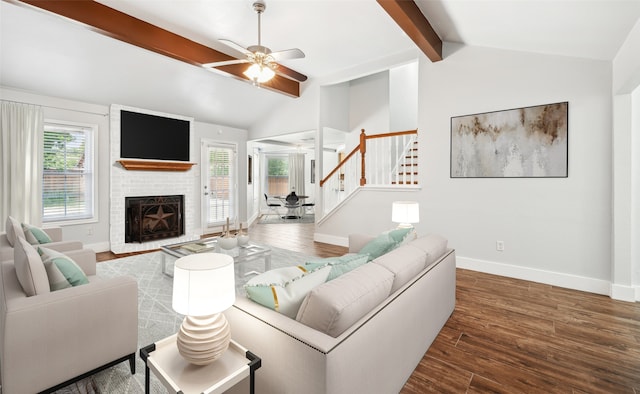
(21, 134)
(296, 173)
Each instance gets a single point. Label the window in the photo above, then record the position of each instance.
(277, 175)
(68, 176)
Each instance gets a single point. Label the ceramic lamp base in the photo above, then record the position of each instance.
(202, 339)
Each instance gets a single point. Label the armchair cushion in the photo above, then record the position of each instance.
(35, 235)
(62, 271)
(14, 230)
(30, 271)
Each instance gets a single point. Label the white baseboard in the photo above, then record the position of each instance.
(625, 293)
(331, 239)
(568, 281)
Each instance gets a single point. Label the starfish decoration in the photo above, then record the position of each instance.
(159, 218)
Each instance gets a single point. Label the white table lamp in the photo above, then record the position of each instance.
(203, 287)
(405, 213)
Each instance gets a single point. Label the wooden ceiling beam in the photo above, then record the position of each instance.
(124, 27)
(410, 19)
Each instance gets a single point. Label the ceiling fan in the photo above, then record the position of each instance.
(264, 62)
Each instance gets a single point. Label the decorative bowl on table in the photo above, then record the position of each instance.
(243, 239)
(228, 242)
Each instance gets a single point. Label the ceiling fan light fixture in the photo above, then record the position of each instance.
(259, 73)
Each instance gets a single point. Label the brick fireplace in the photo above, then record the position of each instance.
(135, 183)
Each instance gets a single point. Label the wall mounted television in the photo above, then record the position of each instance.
(153, 137)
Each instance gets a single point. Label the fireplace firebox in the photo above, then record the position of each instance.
(153, 217)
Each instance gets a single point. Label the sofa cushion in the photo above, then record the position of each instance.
(404, 262)
(29, 268)
(434, 245)
(62, 271)
(283, 289)
(337, 305)
(14, 230)
(35, 235)
(339, 265)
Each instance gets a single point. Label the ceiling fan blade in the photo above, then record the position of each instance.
(235, 46)
(225, 63)
(294, 53)
(289, 73)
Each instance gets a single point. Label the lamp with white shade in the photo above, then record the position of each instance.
(203, 287)
(405, 213)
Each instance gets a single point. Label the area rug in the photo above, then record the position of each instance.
(156, 318)
(273, 219)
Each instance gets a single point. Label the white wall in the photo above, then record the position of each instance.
(554, 225)
(294, 115)
(369, 105)
(403, 97)
(554, 230)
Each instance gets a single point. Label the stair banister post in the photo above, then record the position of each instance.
(363, 150)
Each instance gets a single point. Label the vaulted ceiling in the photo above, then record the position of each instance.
(54, 56)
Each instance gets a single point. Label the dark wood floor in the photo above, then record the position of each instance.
(512, 336)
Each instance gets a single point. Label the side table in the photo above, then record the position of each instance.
(179, 376)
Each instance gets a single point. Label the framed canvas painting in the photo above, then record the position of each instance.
(529, 142)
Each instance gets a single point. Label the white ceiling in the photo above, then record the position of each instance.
(53, 56)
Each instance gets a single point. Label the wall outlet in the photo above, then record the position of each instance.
(500, 246)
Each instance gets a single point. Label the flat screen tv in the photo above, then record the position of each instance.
(152, 137)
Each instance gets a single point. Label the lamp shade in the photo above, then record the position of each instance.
(405, 212)
(259, 73)
(203, 284)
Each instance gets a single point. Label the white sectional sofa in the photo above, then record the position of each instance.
(363, 332)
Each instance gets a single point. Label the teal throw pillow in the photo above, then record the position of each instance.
(399, 235)
(35, 235)
(62, 271)
(339, 265)
(378, 246)
(284, 289)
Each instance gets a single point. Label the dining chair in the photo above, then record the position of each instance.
(272, 206)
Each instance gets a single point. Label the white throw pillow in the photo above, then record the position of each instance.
(14, 230)
(283, 289)
(29, 269)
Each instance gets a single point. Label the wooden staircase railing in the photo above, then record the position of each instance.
(379, 159)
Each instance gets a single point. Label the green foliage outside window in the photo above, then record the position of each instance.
(219, 162)
(63, 151)
(278, 166)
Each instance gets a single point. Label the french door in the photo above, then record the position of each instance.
(220, 184)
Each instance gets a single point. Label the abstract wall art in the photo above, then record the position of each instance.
(530, 142)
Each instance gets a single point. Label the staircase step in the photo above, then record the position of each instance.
(408, 173)
(410, 164)
(404, 183)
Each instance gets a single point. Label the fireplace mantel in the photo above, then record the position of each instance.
(155, 165)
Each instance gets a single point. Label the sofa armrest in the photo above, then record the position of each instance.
(63, 246)
(55, 233)
(358, 241)
(62, 334)
(305, 334)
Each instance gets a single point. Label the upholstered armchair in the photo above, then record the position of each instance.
(14, 230)
(49, 339)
